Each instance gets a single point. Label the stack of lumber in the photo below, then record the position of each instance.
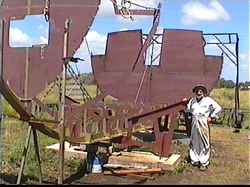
(143, 160)
(139, 164)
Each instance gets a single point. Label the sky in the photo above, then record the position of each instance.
(209, 16)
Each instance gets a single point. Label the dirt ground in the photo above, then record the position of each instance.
(230, 164)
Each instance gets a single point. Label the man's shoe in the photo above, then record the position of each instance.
(196, 164)
(203, 168)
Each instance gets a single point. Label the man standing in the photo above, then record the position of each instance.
(203, 110)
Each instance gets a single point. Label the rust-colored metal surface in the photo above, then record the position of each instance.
(29, 70)
(117, 122)
(183, 64)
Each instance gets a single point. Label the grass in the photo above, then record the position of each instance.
(225, 97)
(14, 141)
(91, 90)
(230, 162)
(53, 96)
(8, 110)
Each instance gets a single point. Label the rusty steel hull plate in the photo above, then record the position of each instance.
(183, 64)
(29, 70)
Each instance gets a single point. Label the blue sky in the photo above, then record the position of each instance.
(208, 16)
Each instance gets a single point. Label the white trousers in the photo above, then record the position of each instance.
(200, 141)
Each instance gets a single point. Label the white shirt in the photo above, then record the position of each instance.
(206, 107)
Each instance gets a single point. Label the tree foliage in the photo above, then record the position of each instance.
(226, 83)
(231, 84)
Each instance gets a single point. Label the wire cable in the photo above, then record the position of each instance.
(85, 94)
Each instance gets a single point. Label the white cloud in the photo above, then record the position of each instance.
(19, 38)
(93, 36)
(195, 12)
(106, 9)
(124, 29)
(96, 42)
(35, 35)
(97, 45)
(43, 40)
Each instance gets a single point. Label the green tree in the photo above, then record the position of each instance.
(226, 83)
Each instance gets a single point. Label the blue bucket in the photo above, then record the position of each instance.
(97, 165)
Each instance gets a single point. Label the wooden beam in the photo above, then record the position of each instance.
(24, 157)
(13, 101)
(142, 176)
(134, 171)
(1, 46)
(37, 154)
(62, 102)
(143, 159)
(1, 64)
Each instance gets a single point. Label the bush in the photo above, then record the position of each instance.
(8, 110)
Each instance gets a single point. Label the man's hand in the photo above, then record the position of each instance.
(209, 120)
(184, 99)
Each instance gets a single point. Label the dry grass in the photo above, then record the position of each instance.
(53, 96)
(14, 140)
(225, 96)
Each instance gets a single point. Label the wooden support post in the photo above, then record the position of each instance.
(1, 68)
(62, 102)
(24, 157)
(84, 125)
(237, 122)
(97, 89)
(1, 46)
(37, 154)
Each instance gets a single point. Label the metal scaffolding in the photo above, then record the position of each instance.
(222, 40)
(1, 97)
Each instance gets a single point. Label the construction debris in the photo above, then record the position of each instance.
(70, 151)
(120, 166)
(136, 159)
(139, 165)
(134, 171)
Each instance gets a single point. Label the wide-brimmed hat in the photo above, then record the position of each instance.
(200, 87)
